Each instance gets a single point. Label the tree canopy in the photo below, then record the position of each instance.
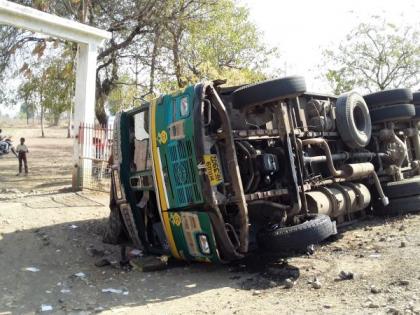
(375, 56)
(156, 45)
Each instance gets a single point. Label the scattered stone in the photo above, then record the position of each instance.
(403, 244)
(393, 311)
(375, 255)
(289, 283)
(95, 252)
(310, 250)
(256, 292)
(372, 305)
(272, 284)
(382, 239)
(345, 275)
(327, 306)
(32, 269)
(403, 282)
(102, 262)
(316, 284)
(375, 290)
(401, 228)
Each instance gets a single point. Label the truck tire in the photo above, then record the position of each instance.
(267, 91)
(389, 97)
(392, 113)
(398, 206)
(417, 109)
(353, 120)
(315, 229)
(404, 188)
(416, 98)
(114, 231)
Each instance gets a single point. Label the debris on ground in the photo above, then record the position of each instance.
(102, 262)
(149, 263)
(80, 275)
(310, 250)
(316, 284)
(115, 291)
(375, 290)
(289, 283)
(46, 308)
(32, 269)
(345, 275)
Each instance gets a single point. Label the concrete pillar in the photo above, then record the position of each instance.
(84, 108)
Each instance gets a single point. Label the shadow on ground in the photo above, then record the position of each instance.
(63, 250)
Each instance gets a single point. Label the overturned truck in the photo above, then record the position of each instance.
(213, 173)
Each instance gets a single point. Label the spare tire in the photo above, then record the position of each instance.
(353, 120)
(404, 188)
(315, 229)
(416, 98)
(392, 113)
(389, 97)
(267, 91)
(417, 108)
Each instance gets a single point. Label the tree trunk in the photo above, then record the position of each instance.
(177, 61)
(27, 112)
(69, 122)
(42, 117)
(156, 44)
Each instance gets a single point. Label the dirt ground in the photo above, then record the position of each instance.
(58, 232)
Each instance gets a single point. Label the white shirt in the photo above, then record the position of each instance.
(21, 148)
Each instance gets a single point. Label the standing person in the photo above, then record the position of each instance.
(21, 150)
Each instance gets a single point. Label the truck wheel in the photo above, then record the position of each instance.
(389, 97)
(398, 206)
(417, 108)
(315, 229)
(403, 188)
(416, 98)
(114, 232)
(392, 113)
(353, 120)
(268, 91)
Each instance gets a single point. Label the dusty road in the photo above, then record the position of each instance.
(59, 234)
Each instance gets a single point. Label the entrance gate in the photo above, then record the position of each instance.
(95, 142)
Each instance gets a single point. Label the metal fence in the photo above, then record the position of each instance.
(95, 147)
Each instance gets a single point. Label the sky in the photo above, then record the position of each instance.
(302, 29)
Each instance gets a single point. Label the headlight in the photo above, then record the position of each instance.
(203, 243)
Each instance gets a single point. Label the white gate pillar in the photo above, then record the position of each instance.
(84, 109)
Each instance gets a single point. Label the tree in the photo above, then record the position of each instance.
(375, 56)
(157, 38)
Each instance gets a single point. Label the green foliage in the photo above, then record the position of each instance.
(375, 56)
(123, 95)
(220, 43)
(157, 46)
(49, 88)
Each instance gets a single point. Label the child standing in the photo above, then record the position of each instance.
(21, 151)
